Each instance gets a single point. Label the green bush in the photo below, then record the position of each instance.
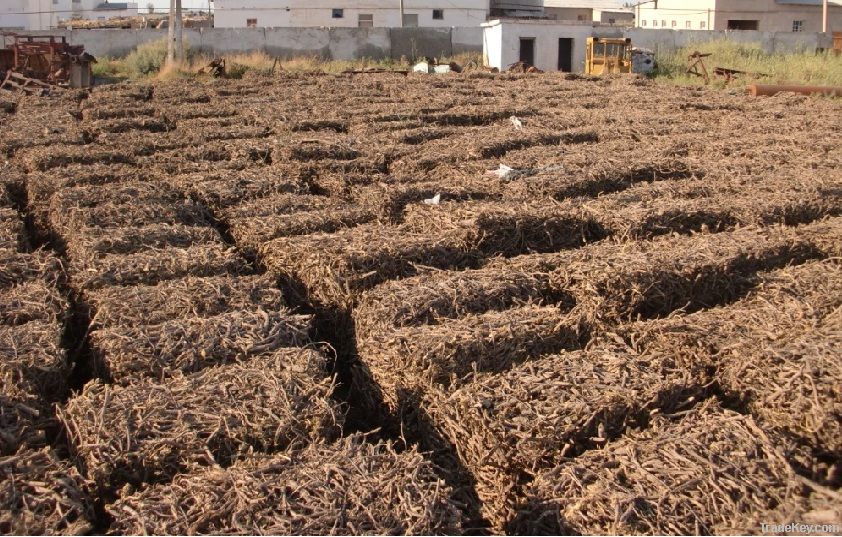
(770, 68)
(149, 58)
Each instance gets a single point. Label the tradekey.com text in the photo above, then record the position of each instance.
(804, 529)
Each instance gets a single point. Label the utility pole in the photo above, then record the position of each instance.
(179, 33)
(824, 16)
(175, 34)
(171, 34)
(401, 4)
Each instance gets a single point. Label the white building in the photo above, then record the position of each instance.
(547, 44)
(348, 13)
(46, 14)
(762, 15)
(604, 11)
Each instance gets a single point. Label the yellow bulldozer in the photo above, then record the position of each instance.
(608, 55)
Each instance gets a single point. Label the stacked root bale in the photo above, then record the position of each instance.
(43, 495)
(352, 487)
(709, 471)
(506, 426)
(267, 218)
(40, 123)
(199, 359)
(438, 328)
(33, 367)
(786, 333)
(125, 353)
(278, 401)
(40, 494)
(335, 267)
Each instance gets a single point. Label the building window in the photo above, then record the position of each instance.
(688, 24)
(702, 25)
(797, 26)
(251, 23)
(740, 24)
(663, 24)
(438, 14)
(643, 22)
(365, 21)
(410, 20)
(337, 13)
(674, 24)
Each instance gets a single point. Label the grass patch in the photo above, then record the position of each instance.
(792, 68)
(149, 61)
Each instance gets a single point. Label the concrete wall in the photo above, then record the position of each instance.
(665, 40)
(350, 43)
(501, 40)
(327, 43)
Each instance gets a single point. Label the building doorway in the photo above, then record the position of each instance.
(565, 54)
(742, 24)
(527, 50)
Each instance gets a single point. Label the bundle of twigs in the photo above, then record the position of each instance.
(42, 495)
(154, 266)
(32, 300)
(278, 205)
(391, 199)
(511, 425)
(507, 228)
(16, 268)
(116, 109)
(406, 361)
(32, 361)
(11, 230)
(621, 282)
(708, 471)
(334, 267)
(182, 297)
(254, 232)
(222, 190)
(786, 331)
(127, 352)
(150, 430)
(41, 186)
(60, 155)
(23, 420)
(349, 488)
(121, 205)
(434, 297)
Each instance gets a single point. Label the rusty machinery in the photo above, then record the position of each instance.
(48, 59)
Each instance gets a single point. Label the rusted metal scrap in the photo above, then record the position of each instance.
(696, 65)
(14, 81)
(731, 74)
(46, 58)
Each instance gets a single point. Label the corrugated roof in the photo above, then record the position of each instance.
(605, 5)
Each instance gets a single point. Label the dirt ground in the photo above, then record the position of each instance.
(377, 303)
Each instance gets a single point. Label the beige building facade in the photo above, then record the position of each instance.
(761, 15)
(603, 11)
